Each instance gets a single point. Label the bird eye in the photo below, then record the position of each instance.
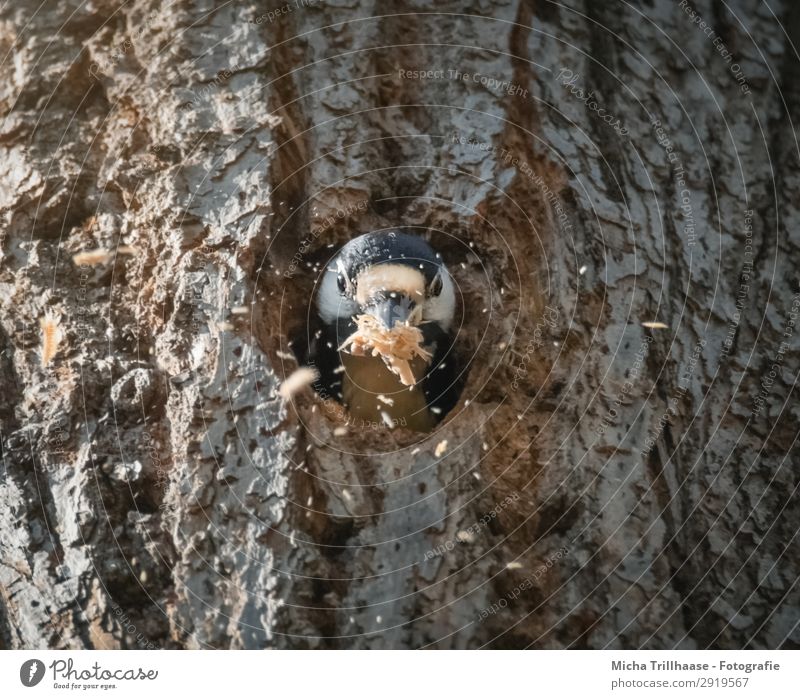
(436, 285)
(342, 283)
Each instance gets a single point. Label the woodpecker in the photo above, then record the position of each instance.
(395, 278)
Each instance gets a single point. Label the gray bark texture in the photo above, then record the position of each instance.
(585, 168)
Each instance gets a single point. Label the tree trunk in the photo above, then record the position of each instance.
(600, 484)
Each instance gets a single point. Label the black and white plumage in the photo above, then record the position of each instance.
(395, 277)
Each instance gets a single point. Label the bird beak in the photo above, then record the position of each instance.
(390, 311)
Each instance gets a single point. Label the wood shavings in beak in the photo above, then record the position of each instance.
(397, 347)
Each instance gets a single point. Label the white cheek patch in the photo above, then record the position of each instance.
(388, 277)
(330, 302)
(442, 308)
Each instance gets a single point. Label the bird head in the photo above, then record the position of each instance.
(394, 277)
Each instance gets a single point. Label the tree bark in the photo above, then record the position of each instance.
(583, 167)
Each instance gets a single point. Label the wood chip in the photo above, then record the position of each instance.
(100, 256)
(397, 347)
(297, 381)
(92, 257)
(51, 337)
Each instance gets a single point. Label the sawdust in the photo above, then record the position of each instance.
(297, 381)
